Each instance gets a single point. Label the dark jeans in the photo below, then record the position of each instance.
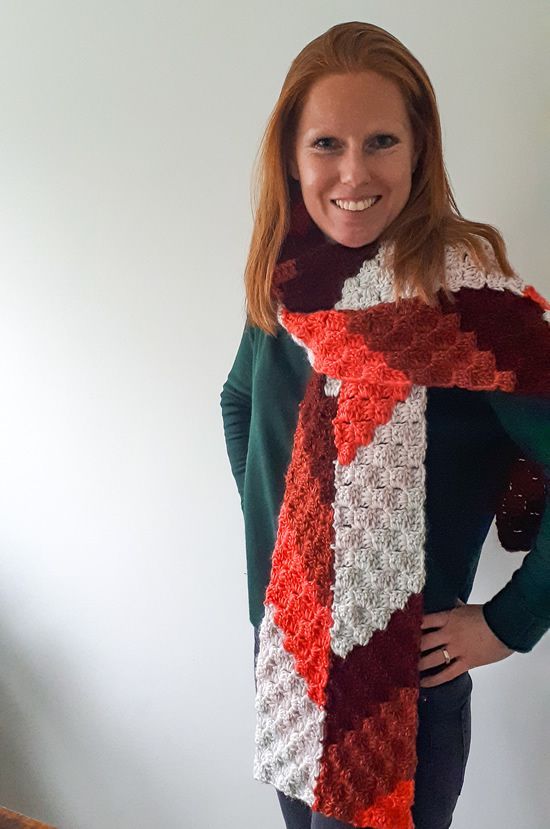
(442, 746)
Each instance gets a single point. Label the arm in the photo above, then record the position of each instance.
(519, 614)
(236, 406)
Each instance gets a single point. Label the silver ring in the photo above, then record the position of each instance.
(446, 655)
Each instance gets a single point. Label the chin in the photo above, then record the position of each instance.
(351, 240)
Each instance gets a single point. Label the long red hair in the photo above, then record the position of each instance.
(430, 219)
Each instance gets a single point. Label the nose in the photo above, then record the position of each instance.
(354, 168)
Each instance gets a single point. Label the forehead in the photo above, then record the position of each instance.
(349, 100)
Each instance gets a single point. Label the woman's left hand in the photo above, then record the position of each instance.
(467, 637)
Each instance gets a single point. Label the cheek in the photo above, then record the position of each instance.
(317, 172)
(315, 176)
(396, 172)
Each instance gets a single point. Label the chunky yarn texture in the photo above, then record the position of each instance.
(337, 670)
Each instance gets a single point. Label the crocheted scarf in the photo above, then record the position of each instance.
(337, 669)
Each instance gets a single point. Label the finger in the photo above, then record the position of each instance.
(435, 620)
(450, 672)
(431, 660)
(436, 639)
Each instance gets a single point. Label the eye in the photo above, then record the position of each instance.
(318, 142)
(392, 139)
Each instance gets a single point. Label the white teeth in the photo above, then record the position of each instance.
(356, 205)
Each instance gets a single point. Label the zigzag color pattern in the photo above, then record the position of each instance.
(337, 671)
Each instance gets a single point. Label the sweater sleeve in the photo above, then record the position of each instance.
(519, 614)
(236, 406)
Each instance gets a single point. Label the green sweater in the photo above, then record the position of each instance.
(471, 437)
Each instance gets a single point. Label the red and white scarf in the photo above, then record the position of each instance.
(337, 669)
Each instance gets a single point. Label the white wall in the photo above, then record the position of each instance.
(127, 136)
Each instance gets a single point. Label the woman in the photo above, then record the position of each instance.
(390, 394)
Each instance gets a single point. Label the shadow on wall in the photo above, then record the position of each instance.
(63, 762)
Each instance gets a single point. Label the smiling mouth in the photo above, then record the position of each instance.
(348, 210)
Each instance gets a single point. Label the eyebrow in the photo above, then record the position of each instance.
(379, 129)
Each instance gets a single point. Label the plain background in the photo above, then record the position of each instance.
(127, 137)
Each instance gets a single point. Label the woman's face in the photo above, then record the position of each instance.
(354, 140)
